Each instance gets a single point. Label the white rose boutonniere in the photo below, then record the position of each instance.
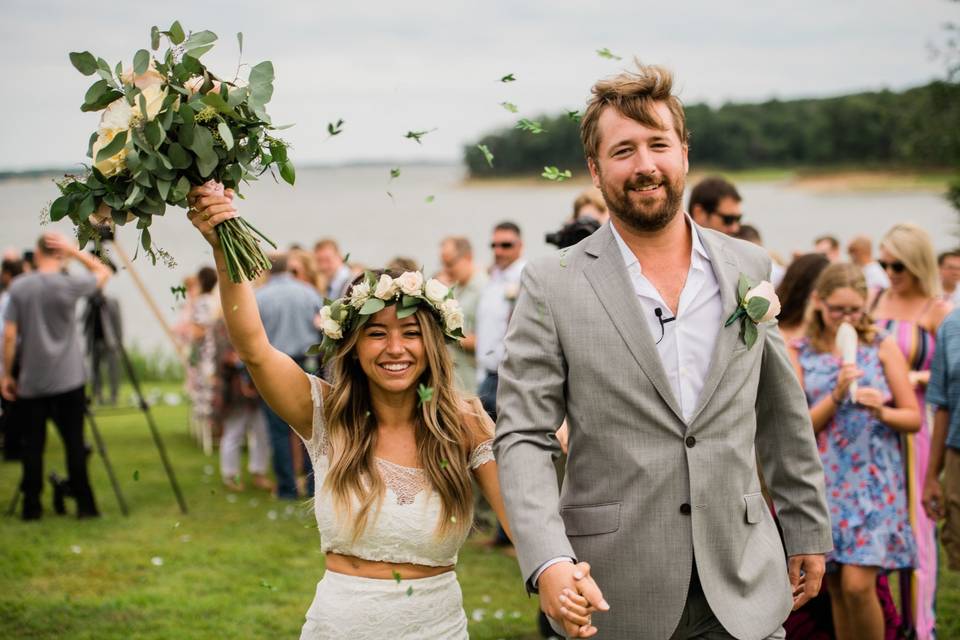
(511, 291)
(435, 291)
(411, 283)
(758, 303)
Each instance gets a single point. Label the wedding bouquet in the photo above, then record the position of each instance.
(169, 124)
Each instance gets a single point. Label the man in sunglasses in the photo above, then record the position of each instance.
(715, 204)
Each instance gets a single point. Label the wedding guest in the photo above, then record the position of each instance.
(829, 246)
(859, 445)
(860, 251)
(403, 263)
(303, 267)
(9, 431)
(941, 500)
(394, 465)
(288, 308)
(590, 203)
(911, 311)
(41, 317)
(794, 293)
(949, 264)
(456, 258)
(103, 326)
(332, 267)
(715, 204)
(204, 313)
(494, 308)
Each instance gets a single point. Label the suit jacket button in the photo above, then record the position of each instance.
(691, 441)
(685, 509)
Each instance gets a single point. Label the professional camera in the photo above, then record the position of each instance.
(573, 232)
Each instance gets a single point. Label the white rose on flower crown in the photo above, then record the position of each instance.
(386, 288)
(435, 291)
(411, 283)
(452, 314)
(330, 327)
(359, 294)
(765, 291)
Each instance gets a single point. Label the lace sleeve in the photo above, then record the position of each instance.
(482, 454)
(318, 438)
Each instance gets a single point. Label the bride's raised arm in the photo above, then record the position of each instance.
(281, 382)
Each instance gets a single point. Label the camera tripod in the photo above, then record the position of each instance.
(97, 306)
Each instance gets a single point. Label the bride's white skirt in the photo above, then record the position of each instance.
(367, 608)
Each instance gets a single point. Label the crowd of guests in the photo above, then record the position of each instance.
(886, 420)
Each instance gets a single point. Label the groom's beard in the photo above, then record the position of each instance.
(645, 214)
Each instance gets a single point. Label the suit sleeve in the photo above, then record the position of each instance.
(531, 406)
(787, 451)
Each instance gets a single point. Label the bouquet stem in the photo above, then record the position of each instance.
(245, 259)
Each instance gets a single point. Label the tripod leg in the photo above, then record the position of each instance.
(102, 450)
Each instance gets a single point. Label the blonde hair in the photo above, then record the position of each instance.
(444, 440)
(633, 94)
(841, 275)
(911, 245)
(304, 258)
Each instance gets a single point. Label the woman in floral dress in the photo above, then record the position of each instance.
(858, 441)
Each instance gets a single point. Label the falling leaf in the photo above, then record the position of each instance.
(509, 106)
(267, 585)
(179, 293)
(428, 199)
(609, 55)
(554, 174)
(425, 393)
(409, 591)
(416, 135)
(508, 78)
(532, 126)
(396, 576)
(486, 154)
(444, 464)
(335, 129)
(157, 561)
(136, 475)
(394, 173)
(575, 115)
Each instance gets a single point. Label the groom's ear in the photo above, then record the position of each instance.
(594, 172)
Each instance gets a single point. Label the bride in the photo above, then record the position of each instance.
(392, 443)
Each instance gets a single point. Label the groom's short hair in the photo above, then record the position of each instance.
(633, 94)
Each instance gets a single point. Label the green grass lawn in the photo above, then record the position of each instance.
(236, 566)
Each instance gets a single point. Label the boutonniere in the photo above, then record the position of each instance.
(511, 291)
(756, 303)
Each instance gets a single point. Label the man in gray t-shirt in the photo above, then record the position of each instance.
(41, 318)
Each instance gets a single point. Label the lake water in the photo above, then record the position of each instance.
(351, 204)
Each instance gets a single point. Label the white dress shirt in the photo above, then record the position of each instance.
(687, 342)
(493, 315)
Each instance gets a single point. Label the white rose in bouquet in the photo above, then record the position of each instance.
(452, 314)
(153, 96)
(765, 291)
(149, 78)
(386, 288)
(359, 294)
(435, 291)
(330, 327)
(116, 117)
(411, 283)
(116, 163)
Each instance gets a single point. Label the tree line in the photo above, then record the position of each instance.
(916, 128)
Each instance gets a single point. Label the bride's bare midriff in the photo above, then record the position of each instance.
(353, 566)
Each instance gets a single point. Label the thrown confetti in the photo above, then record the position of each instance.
(532, 126)
(179, 293)
(575, 115)
(428, 199)
(609, 55)
(396, 576)
(508, 78)
(554, 174)
(416, 135)
(267, 585)
(425, 393)
(486, 154)
(335, 129)
(409, 591)
(509, 106)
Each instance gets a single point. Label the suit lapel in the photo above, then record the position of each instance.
(609, 278)
(727, 270)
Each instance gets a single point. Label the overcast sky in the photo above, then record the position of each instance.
(389, 67)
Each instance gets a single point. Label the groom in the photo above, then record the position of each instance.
(669, 412)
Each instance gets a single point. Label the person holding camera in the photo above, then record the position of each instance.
(41, 317)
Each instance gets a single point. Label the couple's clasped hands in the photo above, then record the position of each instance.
(569, 595)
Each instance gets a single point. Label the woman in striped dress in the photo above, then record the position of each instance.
(911, 312)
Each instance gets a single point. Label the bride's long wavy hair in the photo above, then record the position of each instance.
(443, 439)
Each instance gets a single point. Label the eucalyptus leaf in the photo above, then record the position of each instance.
(405, 312)
(59, 208)
(749, 334)
(113, 148)
(240, 40)
(199, 39)
(757, 308)
(176, 33)
(372, 306)
(287, 172)
(154, 38)
(743, 285)
(225, 135)
(178, 156)
(141, 62)
(84, 62)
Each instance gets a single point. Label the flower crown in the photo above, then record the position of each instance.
(370, 295)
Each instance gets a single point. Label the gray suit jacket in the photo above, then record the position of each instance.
(645, 493)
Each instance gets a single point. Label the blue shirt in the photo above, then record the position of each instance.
(287, 309)
(944, 388)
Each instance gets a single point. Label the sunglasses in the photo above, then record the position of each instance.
(502, 245)
(729, 218)
(840, 312)
(896, 267)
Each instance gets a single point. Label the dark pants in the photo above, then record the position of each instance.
(67, 412)
(279, 433)
(10, 428)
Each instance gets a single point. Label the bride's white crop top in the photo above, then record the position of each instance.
(403, 529)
